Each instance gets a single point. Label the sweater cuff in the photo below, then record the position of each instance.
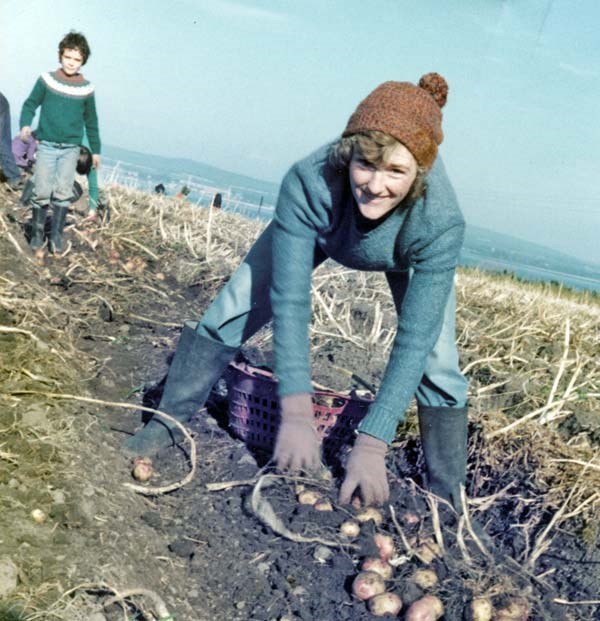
(381, 423)
(294, 384)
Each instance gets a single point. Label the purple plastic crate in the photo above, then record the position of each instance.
(254, 414)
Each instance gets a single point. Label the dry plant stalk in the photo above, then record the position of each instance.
(435, 518)
(9, 330)
(263, 510)
(467, 520)
(159, 608)
(543, 542)
(147, 491)
(409, 549)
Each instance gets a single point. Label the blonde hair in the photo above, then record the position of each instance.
(376, 148)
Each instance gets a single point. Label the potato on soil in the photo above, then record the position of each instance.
(379, 566)
(350, 529)
(323, 505)
(142, 469)
(367, 584)
(425, 578)
(38, 516)
(428, 551)
(385, 604)
(368, 514)
(428, 608)
(309, 497)
(385, 545)
(480, 609)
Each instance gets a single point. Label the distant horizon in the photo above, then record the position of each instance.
(535, 244)
(196, 161)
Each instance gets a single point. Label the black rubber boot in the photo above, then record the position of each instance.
(38, 223)
(59, 216)
(197, 365)
(26, 194)
(444, 438)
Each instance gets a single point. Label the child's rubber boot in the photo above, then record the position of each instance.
(197, 365)
(55, 242)
(27, 193)
(38, 224)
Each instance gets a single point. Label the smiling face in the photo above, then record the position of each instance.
(380, 188)
(71, 61)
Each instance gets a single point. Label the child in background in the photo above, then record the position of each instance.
(68, 106)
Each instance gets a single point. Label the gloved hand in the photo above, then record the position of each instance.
(297, 446)
(366, 469)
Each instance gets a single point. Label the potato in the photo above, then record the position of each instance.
(367, 584)
(385, 604)
(428, 551)
(38, 516)
(322, 505)
(309, 497)
(385, 545)
(428, 608)
(425, 578)
(379, 566)
(350, 529)
(479, 609)
(369, 513)
(142, 469)
(299, 487)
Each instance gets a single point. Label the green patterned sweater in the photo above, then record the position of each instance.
(67, 105)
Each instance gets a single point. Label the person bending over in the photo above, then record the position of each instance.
(378, 198)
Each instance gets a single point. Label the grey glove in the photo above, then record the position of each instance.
(297, 446)
(366, 469)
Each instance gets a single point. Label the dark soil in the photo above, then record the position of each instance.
(205, 552)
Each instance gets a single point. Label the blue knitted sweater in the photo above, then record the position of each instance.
(316, 209)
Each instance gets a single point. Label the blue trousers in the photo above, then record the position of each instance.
(54, 174)
(7, 159)
(243, 306)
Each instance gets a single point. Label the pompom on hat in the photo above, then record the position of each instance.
(411, 114)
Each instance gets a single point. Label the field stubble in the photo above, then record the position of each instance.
(79, 331)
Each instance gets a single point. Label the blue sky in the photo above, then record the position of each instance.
(252, 86)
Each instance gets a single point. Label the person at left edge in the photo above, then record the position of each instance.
(8, 165)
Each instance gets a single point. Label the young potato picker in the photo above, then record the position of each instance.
(377, 199)
(68, 106)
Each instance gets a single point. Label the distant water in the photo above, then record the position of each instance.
(470, 258)
(256, 200)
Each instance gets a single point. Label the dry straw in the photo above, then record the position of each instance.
(530, 351)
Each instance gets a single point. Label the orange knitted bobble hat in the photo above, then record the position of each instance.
(411, 114)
